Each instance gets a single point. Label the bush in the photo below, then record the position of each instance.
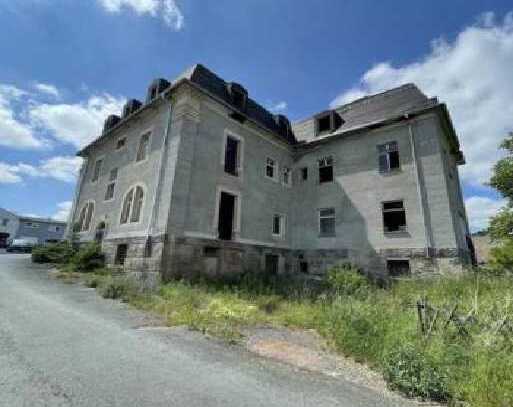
(115, 289)
(347, 279)
(502, 257)
(411, 371)
(56, 253)
(88, 258)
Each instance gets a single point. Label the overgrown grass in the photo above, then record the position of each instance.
(468, 357)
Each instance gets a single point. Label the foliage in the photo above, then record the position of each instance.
(502, 257)
(56, 253)
(347, 279)
(502, 178)
(411, 371)
(88, 258)
(501, 225)
(379, 328)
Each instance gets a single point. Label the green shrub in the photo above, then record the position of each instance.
(115, 289)
(56, 253)
(88, 258)
(346, 279)
(502, 257)
(408, 369)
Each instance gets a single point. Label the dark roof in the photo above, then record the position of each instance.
(370, 110)
(218, 87)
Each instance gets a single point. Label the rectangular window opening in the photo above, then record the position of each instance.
(303, 267)
(209, 251)
(397, 268)
(231, 156)
(142, 151)
(121, 254)
(327, 222)
(121, 143)
(270, 168)
(278, 225)
(109, 193)
(324, 124)
(286, 176)
(388, 157)
(394, 217)
(304, 173)
(325, 170)
(97, 170)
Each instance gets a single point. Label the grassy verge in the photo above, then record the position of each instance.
(465, 353)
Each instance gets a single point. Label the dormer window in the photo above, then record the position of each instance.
(156, 88)
(238, 95)
(327, 122)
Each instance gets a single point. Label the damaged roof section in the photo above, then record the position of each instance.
(366, 111)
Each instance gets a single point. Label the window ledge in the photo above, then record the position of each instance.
(330, 235)
(391, 172)
(399, 233)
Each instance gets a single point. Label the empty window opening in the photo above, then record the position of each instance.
(303, 267)
(271, 264)
(5, 221)
(286, 176)
(231, 156)
(325, 169)
(121, 253)
(324, 124)
(209, 251)
(394, 216)
(148, 247)
(100, 232)
(388, 157)
(121, 143)
(270, 168)
(97, 169)
(142, 151)
(327, 222)
(132, 205)
(278, 225)
(109, 193)
(398, 268)
(226, 216)
(304, 173)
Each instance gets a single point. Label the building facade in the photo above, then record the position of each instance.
(200, 179)
(13, 226)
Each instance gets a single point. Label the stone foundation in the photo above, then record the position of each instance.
(191, 258)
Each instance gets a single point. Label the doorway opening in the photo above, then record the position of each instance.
(271, 264)
(121, 253)
(226, 216)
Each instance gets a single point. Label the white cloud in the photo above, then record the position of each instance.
(8, 174)
(168, 10)
(47, 89)
(60, 168)
(278, 107)
(63, 210)
(13, 132)
(472, 74)
(480, 210)
(78, 123)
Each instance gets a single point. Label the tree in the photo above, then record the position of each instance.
(501, 226)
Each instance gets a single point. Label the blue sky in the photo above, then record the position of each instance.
(68, 63)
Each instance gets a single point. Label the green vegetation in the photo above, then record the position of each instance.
(87, 258)
(501, 226)
(461, 350)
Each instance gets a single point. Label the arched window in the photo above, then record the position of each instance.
(132, 205)
(86, 215)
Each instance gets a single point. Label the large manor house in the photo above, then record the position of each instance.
(200, 179)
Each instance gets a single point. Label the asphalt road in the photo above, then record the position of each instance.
(63, 345)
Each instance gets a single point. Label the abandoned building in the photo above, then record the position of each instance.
(201, 179)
